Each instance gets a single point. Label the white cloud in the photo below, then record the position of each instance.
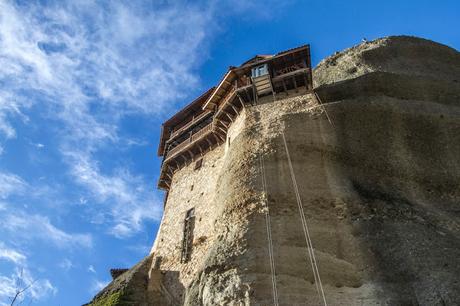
(11, 255)
(91, 269)
(21, 278)
(85, 65)
(89, 64)
(131, 199)
(29, 227)
(10, 184)
(127, 57)
(66, 264)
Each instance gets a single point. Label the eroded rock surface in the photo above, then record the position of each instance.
(378, 172)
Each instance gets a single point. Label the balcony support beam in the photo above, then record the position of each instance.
(234, 109)
(240, 100)
(228, 115)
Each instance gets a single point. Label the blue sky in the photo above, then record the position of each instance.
(84, 88)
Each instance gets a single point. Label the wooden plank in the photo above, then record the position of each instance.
(289, 74)
(241, 101)
(224, 131)
(234, 109)
(228, 115)
(217, 138)
(222, 122)
(259, 88)
(261, 82)
(199, 148)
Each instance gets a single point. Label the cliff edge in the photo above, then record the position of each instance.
(371, 159)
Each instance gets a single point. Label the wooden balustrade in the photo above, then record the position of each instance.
(187, 125)
(195, 136)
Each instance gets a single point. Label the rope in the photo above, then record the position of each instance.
(311, 253)
(323, 107)
(269, 232)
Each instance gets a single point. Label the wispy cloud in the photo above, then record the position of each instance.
(85, 65)
(66, 264)
(10, 184)
(11, 255)
(91, 269)
(20, 279)
(131, 198)
(89, 64)
(29, 227)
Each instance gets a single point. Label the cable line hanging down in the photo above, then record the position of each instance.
(311, 253)
(269, 231)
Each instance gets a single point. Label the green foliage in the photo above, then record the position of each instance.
(118, 298)
(110, 300)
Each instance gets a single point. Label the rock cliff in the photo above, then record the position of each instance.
(375, 155)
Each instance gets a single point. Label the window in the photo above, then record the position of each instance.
(187, 240)
(259, 70)
(157, 263)
(198, 164)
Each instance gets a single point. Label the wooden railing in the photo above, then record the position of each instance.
(198, 134)
(187, 125)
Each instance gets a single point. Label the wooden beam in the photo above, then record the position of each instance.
(247, 94)
(234, 109)
(295, 84)
(217, 137)
(284, 87)
(199, 148)
(176, 164)
(228, 115)
(185, 159)
(256, 96)
(222, 122)
(171, 168)
(240, 100)
(180, 164)
(224, 131)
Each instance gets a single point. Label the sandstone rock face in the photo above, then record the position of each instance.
(377, 169)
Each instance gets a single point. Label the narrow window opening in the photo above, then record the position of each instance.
(187, 240)
(157, 264)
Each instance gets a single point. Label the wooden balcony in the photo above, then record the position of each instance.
(189, 141)
(188, 125)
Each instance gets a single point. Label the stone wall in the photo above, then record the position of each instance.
(377, 166)
(192, 188)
